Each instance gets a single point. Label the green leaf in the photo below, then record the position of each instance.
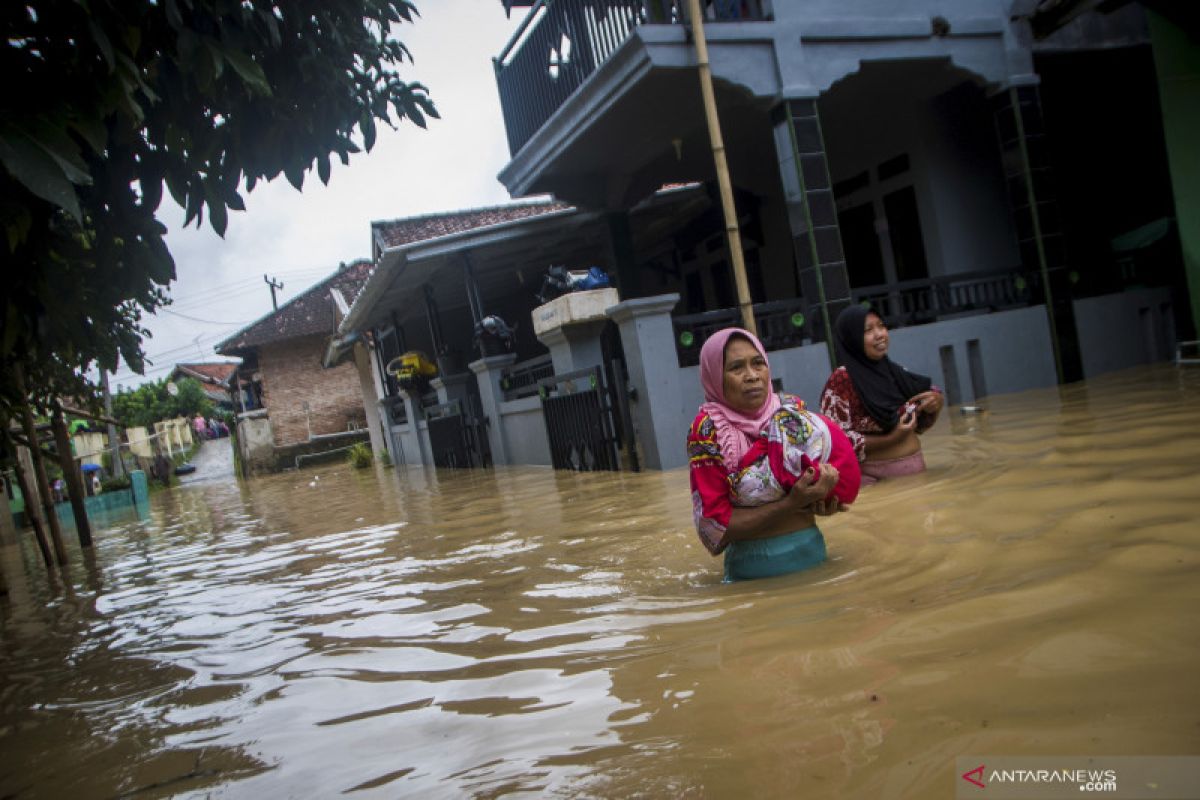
(249, 70)
(91, 131)
(368, 130)
(295, 177)
(173, 16)
(218, 217)
(62, 149)
(102, 43)
(34, 169)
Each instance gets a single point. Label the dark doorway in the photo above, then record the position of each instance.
(864, 262)
(904, 228)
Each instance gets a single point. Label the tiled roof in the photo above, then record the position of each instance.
(217, 373)
(393, 233)
(304, 315)
(215, 393)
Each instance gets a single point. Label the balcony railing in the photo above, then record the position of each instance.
(930, 299)
(521, 379)
(562, 42)
(781, 324)
(791, 323)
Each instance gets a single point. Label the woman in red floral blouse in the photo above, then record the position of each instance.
(761, 465)
(881, 406)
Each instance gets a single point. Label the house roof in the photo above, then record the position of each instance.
(505, 243)
(398, 232)
(208, 373)
(311, 312)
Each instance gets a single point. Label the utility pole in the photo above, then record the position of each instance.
(274, 284)
(114, 439)
(724, 184)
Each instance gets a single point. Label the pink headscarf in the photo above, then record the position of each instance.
(735, 430)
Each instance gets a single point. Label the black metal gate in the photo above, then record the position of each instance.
(458, 435)
(578, 410)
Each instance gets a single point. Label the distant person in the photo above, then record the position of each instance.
(96, 487)
(761, 465)
(200, 426)
(881, 406)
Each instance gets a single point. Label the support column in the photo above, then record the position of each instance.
(411, 451)
(366, 385)
(812, 216)
(570, 326)
(488, 371)
(452, 387)
(575, 346)
(621, 262)
(1024, 154)
(657, 404)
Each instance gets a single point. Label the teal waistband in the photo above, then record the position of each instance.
(779, 555)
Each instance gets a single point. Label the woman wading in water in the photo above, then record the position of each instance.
(762, 465)
(880, 405)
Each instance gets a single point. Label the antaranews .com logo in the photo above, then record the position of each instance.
(1088, 780)
(1052, 777)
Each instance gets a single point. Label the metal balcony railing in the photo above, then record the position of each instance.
(562, 42)
(521, 379)
(791, 323)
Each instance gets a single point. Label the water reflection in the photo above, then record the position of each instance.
(406, 633)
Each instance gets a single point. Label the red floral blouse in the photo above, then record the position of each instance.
(792, 441)
(841, 403)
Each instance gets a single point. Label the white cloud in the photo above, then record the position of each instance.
(300, 237)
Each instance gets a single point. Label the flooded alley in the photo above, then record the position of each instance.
(393, 633)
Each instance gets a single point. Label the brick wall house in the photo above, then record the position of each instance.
(304, 399)
(290, 406)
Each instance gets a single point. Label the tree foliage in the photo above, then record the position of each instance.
(106, 102)
(152, 402)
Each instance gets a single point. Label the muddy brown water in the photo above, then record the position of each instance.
(394, 633)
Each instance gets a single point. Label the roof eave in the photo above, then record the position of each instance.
(392, 259)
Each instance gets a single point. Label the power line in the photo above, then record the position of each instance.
(205, 321)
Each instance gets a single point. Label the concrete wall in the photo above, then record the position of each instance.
(89, 447)
(406, 445)
(256, 441)
(303, 398)
(139, 442)
(1123, 330)
(975, 356)
(524, 431)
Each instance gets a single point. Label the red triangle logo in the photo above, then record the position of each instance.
(978, 776)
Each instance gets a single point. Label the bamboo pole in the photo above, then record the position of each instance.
(35, 519)
(39, 467)
(70, 469)
(732, 233)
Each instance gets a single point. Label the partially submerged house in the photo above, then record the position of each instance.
(216, 379)
(996, 185)
(289, 406)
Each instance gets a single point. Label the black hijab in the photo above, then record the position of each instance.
(883, 386)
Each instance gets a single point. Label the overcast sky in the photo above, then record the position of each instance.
(301, 237)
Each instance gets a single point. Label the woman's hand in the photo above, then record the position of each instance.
(829, 507)
(929, 402)
(791, 513)
(806, 493)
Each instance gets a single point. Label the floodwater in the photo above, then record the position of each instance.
(395, 633)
